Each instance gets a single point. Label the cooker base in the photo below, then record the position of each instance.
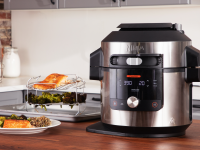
(143, 132)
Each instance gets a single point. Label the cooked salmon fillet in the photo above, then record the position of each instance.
(58, 79)
(11, 123)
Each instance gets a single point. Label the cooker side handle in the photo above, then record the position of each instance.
(96, 64)
(192, 61)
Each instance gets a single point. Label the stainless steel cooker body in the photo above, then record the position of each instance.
(176, 97)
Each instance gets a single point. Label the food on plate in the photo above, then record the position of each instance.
(46, 97)
(56, 80)
(13, 116)
(2, 119)
(23, 122)
(13, 123)
(40, 121)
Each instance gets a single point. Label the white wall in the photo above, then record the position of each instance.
(61, 40)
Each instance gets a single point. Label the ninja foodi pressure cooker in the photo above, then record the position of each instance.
(146, 71)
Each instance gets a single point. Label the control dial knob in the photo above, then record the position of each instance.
(132, 102)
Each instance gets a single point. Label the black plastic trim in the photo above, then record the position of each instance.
(96, 60)
(147, 61)
(133, 67)
(170, 70)
(190, 102)
(192, 75)
(144, 105)
(146, 25)
(192, 56)
(96, 99)
(165, 70)
(136, 55)
(142, 132)
(196, 106)
(146, 36)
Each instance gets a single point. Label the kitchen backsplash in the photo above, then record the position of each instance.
(5, 27)
(60, 41)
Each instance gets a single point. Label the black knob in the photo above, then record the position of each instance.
(123, 0)
(114, 1)
(52, 2)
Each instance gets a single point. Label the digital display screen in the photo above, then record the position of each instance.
(145, 84)
(127, 82)
(142, 83)
(133, 76)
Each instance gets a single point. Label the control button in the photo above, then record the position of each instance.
(122, 104)
(154, 104)
(132, 102)
(115, 103)
(147, 85)
(135, 90)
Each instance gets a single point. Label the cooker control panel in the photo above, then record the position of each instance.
(136, 89)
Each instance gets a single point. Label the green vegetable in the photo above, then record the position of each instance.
(13, 116)
(41, 99)
(1, 123)
(46, 97)
(43, 106)
(66, 94)
(2, 118)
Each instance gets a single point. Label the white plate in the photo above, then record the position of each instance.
(54, 123)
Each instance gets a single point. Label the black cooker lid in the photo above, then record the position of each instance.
(146, 32)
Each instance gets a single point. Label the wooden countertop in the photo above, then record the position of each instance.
(74, 136)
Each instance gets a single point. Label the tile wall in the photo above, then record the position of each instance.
(5, 27)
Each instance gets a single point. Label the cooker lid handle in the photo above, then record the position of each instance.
(96, 62)
(192, 60)
(146, 25)
(192, 56)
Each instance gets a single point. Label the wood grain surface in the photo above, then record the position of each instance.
(74, 136)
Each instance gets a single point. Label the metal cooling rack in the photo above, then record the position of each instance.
(76, 82)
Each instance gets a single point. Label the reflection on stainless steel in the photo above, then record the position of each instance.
(176, 105)
(173, 52)
(175, 111)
